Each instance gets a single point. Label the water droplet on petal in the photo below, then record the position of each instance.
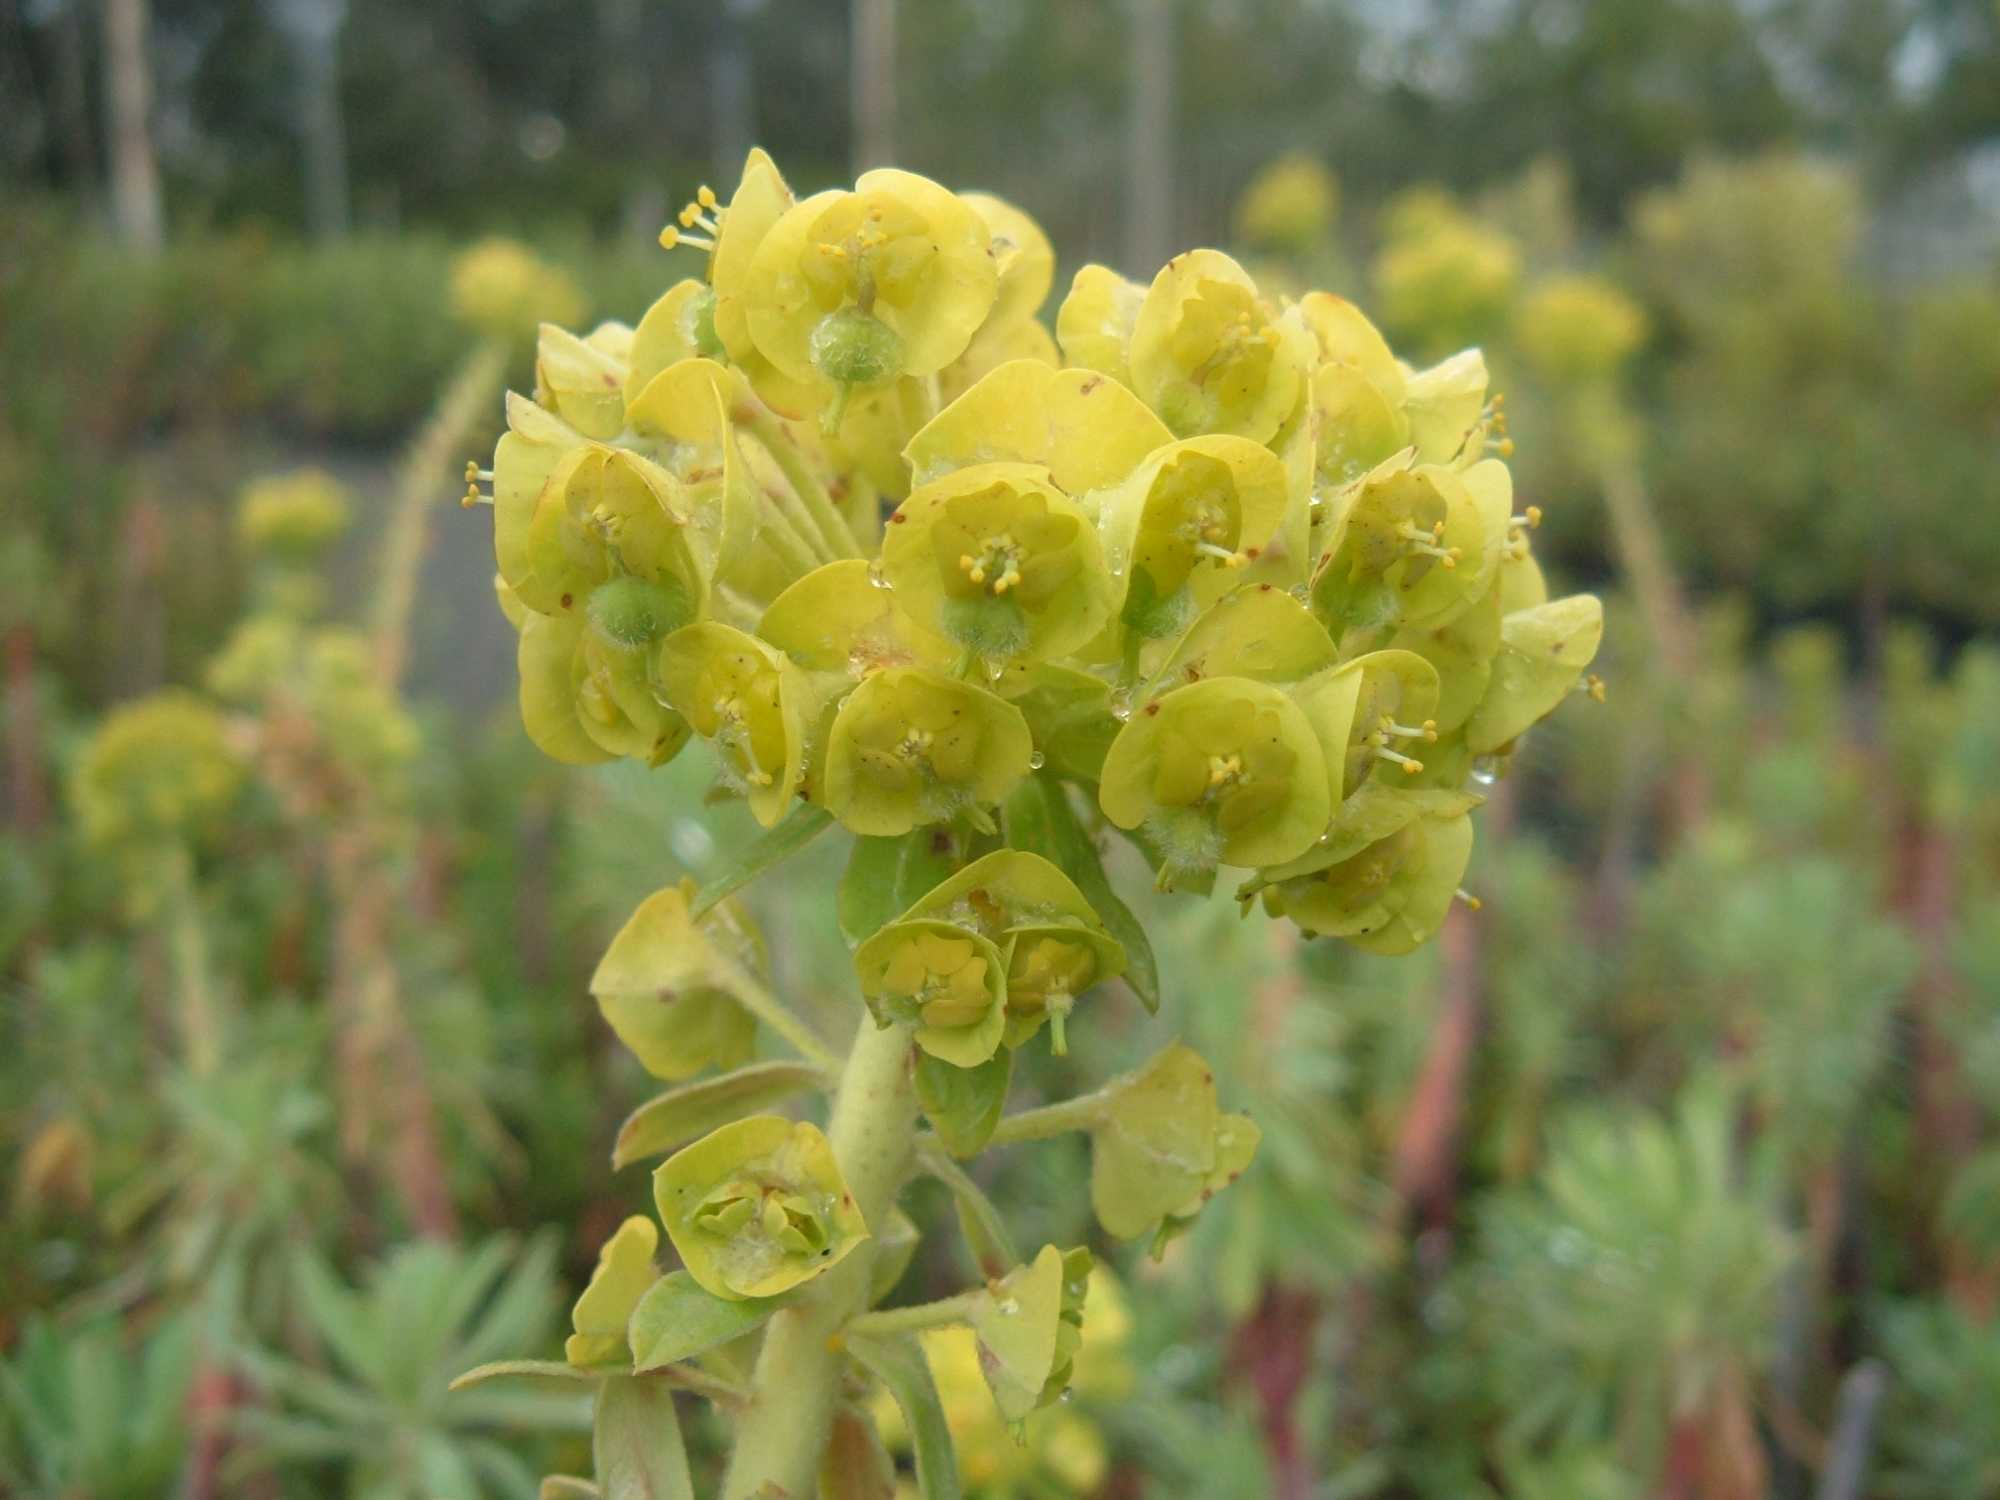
(877, 577)
(1486, 770)
(1037, 760)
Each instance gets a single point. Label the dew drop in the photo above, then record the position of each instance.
(1037, 760)
(1486, 770)
(876, 576)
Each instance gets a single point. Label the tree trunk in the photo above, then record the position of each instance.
(128, 88)
(1149, 153)
(874, 77)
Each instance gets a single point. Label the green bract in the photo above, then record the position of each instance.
(624, 1273)
(1386, 873)
(758, 1207)
(1029, 1325)
(749, 701)
(1161, 1148)
(667, 984)
(1226, 770)
(911, 747)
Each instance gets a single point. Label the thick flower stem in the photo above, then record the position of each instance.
(781, 1432)
(187, 939)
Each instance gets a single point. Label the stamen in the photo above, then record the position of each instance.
(1426, 542)
(1591, 686)
(673, 236)
(1528, 520)
(1427, 731)
(1472, 902)
(1223, 769)
(474, 477)
(1221, 554)
(1410, 765)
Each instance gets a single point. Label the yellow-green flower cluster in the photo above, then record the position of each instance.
(158, 772)
(840, 507)
(1578, 328)
(500, 288)
(292, 518)
(1443, 277)
(1290, 205)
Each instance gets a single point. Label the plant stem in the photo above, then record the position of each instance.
(194, 993)
(1080, 1113)
(917, 1316)
(825, 515)
(774, 1013)
(799, 1370)
(426, 472)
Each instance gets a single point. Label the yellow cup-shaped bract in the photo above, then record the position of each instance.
(911, 747)
(1088, 431)
(1209, 354)
(1387, 872)
(1095, 322)
(947, 982)
(1224, 770)
(746, 698)
(758, 1207)
(900, 252)
(997, 559)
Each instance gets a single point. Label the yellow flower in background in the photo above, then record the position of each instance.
(1060, 1449)
(1575, 329)
(292, 517)
(1290, 205)
(159, 770)
(500, 287)
(1443, 278)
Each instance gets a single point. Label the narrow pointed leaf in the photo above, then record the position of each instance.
(681, 1114)
(800, 827)
(887, 876)
(900, 1365)
(637, 1444)
(549, 1375)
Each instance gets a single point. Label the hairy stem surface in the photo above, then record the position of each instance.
(781, 1433)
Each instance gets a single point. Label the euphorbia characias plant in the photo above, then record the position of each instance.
(1208, 571)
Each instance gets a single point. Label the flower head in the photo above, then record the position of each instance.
(758, 1207)
(910, 747)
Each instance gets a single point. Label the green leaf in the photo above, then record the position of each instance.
(1039, 818)
(679, 1115)
(964, 1104)
(900, 1365)
(887, 876)
(567, 1487)
(986, 1236)
(774, 846)
(538, 1374)
(637, 1443)
(677, 1320)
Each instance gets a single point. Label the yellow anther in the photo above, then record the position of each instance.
(1411, 766)
(1505, 447)
(1472, 902)
(669, 237)
(1223, 769)
(689, 214)
(705, 196)
(1593, 685)
(1427, 731)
